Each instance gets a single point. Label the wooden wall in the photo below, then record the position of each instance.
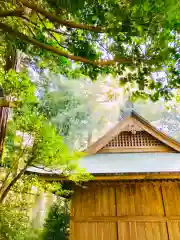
(126, 211)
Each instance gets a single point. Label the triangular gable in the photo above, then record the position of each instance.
(134, 134)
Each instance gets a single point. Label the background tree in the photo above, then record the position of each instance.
(77, 107)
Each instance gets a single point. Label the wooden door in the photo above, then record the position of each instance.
(129, 211)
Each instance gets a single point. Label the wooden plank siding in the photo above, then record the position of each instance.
(129, 211)
(91, 231)
(142, 231)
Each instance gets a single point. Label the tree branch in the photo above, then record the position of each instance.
(26, 19)
(14, 180)
(5, 103)
(52, 17)
(58, 32)
(49, 33)
(48, 30)
(12, 13)
(29, 28)
(45, 169)
(3, 182)
(17, 177)
(52, 49)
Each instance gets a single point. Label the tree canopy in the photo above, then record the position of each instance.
(97, 37)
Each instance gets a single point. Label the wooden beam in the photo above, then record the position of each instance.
(125, 218)
(150, 176)
(122, 177)
(136, 149)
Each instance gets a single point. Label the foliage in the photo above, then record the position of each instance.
(15, 221)
(98, 37)
(14, 225)
(66, 108)
(31, 140)
(57, 223)
(74, 106)
(164, 116)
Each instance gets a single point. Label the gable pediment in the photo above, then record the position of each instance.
(134, 134)
(135, 141)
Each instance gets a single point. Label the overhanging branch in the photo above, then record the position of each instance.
(49, 33)
(60, 52)
(52, 17)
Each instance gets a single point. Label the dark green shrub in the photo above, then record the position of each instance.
(56, 226)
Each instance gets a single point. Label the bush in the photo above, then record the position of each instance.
(15, 224)
(56, 226)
